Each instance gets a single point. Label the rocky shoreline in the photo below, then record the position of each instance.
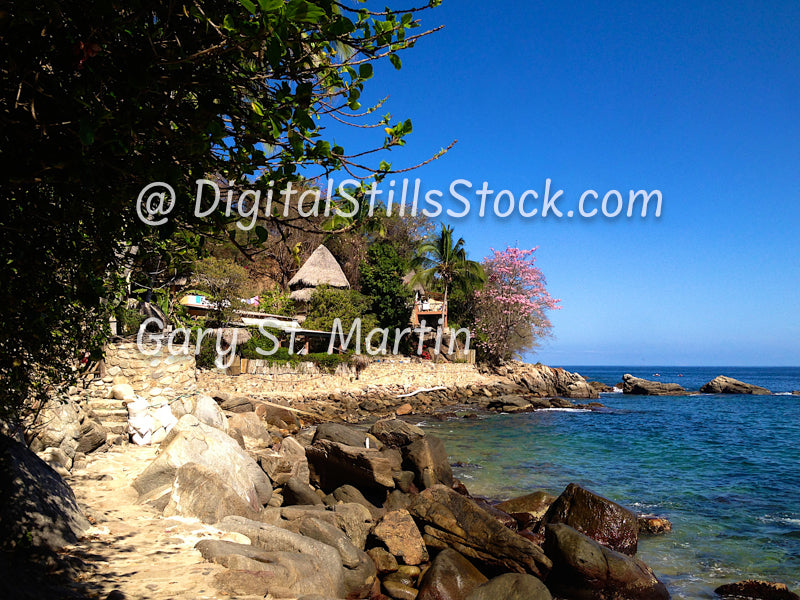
(334, 497)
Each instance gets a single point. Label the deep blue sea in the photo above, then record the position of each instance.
(724, 469)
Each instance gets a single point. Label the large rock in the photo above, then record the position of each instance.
(427, 459)
(36, 506)
(280, 563)
(344, 434)
(395, 432)
(450, 577)
(583, 569)
(253, 432)
(92, 436)
(602, 520)
(757, 590)
(349, 493)
(334, 464)
(729, 385)
(191, 441)
(643, 387)
(542, 380)
(201, 493)
(511, 586)
(398, 532)
(451, 520)
(533, 506)
(207, 411)
(296, 492)
(288, 463)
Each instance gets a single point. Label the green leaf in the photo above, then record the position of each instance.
(228, 23)
(303, 11)
(395, 60)
(365, 71)
(270, 5)
(261, 233)
(248, 4)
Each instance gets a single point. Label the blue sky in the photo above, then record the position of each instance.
(698, 100)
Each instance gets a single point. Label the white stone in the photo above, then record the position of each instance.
(122, 391)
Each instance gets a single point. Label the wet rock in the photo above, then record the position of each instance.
(511, 586)
(756, 590)
(729, 385)
(36, 506)
(398, 532)
(653, 525)
(399, 591)
(427, 458)
(395, 432)
(404, 409)
(582, 568)
(535, 505)
(643, 387)
(505, 518)
(450, 577)
(452, 520)
(201, 493)
(601, 519)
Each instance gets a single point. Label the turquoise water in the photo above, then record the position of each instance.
(724, 469)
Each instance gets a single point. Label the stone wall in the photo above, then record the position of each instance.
(262, 377)
(161, 376)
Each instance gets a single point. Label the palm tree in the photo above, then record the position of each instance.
(440, 260)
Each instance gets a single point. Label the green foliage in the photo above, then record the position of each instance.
(325, 362)
(276, 302)
(128, 320)
(225, 284)
(99, 99)
(328, 304)
(382, 281)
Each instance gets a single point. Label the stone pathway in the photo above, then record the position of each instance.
(132, 548)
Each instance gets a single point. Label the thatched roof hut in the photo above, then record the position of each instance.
(416, 287)
(321, 268)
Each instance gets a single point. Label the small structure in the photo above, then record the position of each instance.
(428, 306)
(321, 268)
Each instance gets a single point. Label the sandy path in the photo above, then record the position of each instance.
(132, 548)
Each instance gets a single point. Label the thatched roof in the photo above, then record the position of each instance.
(303, 295)
(321, 268)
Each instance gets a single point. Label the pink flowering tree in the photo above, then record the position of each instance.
(511, 312)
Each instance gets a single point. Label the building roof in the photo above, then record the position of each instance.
(321, 268)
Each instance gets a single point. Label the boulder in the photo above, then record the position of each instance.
(280, 563)
(289, 462)
(92, 436)
(191, 441)
(251, 428)
(451, 520)
(359, 569)
(122, 391)
(348, 493)
(511, 586)
(542, 380)
(296, 492)
(343, 434)
(334, 464)
(427, 458)
(395, 432)
(602, 520)
(278, 416)
(36, 506)
(534, 506)
(582, 568)
(384, 561)
(450, 577)
(233, 403)
(643, 387)
(653, 525)
(729, 385)
(201, 493)
(757, 590)
(207, 411)
(398, 532)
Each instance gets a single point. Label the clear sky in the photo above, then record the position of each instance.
(700, 100)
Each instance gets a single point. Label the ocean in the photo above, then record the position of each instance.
(724, 469)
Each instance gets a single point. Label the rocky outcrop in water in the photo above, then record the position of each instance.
(729, 385)
(644, 387)
(542, 380)
(756, 590)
